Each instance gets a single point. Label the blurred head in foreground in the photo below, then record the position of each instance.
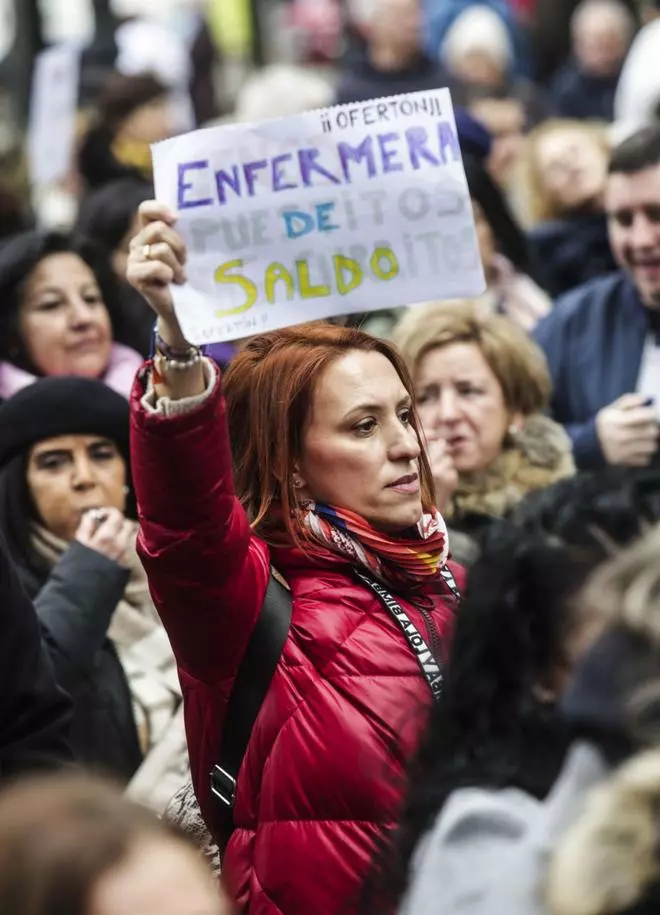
(74, 845)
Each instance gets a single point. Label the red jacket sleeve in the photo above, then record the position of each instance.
(207, 572)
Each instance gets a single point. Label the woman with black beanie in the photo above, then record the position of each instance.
(68, 518)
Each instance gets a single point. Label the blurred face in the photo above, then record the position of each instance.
(479, 68)
(505, 120)
(149, 123)
(600, 45)
(360, 450)
(632, 203)
(484, 236)
(460, 401)
(397, 24)
(573, 168)
(71, 474)
(63, 322)
(160, 878)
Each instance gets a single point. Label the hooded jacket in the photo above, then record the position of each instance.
(324, 770)
(488, 850)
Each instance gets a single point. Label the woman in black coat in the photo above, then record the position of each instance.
(34, 713)
(67, 514)
(76, 596)
(518, 635)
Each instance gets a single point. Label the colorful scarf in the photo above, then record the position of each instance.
(397, 561)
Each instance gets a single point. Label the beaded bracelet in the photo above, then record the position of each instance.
(177, 358)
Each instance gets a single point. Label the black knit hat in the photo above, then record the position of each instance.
(62, 406)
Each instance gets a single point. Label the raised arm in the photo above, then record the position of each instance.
(207, 572)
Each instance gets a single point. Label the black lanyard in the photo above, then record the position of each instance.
(429, 664)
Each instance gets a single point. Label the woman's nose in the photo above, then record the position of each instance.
(447, 407)
(405, 444)
(80, 312)
(83, 473)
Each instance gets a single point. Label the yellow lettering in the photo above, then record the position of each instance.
(345, 265)
(222, 277)
(274, 273)
(307, 291)
(379, 255)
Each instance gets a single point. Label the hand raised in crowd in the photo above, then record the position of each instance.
(628, 431)
(107, 531)
(157, 258)
(445, 475)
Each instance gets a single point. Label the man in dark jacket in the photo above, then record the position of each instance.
(601, 34)
(601, 340)
(34, 712)
(394, 61)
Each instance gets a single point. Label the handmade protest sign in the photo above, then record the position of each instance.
(53, 109)
(341, 210)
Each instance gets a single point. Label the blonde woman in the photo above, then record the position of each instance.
(481, 387)
(565, 168)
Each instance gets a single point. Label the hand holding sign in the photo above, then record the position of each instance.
(157, 259)
(342, 210)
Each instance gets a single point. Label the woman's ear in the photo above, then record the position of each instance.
(298, 479)
(516, 422)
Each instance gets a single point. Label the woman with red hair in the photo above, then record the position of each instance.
(331, 487)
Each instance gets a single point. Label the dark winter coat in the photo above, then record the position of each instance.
(361, 81)
(34, 712)
(571, 251)
(576, 94)
(75, 604)
(593, 341)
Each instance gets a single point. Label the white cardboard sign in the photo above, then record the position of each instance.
(53, 111)
(340, 210)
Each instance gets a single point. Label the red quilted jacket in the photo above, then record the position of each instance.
(324, 771)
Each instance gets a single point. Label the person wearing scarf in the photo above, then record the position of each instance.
(306, 459)
(61, 314)
(69, 524)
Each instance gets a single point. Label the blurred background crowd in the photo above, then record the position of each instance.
(539, 403)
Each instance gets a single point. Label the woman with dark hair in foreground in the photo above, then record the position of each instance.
(516, 641)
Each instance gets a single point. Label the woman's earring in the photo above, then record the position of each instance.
(127, 489)
(513, 431)
(297, 482)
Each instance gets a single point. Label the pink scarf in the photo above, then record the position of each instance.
(119, 375)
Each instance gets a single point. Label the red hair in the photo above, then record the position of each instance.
(269, 388)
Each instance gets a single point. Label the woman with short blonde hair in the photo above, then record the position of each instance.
(482, 386)
(517, 362)
(542, 165)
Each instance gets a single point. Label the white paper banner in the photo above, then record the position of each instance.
(53, 109)
(346, 209)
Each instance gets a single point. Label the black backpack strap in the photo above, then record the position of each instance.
(248, 693)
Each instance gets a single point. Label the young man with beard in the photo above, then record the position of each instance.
(602, 340)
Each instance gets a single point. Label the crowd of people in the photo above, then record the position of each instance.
(359, 616)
